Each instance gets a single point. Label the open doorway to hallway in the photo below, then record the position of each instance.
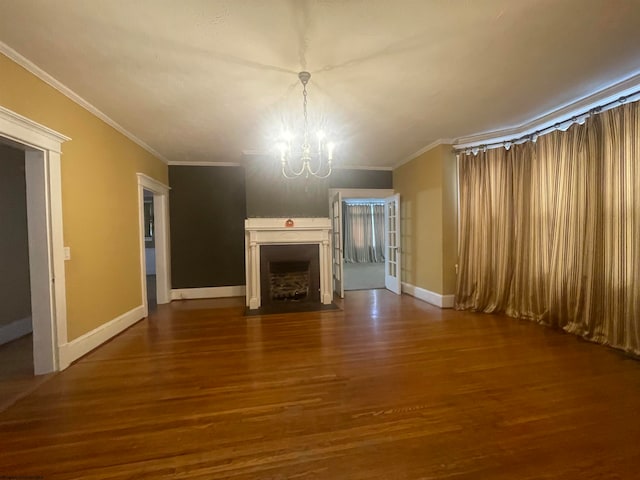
(155, 274)
(150, 250)
(16, 331)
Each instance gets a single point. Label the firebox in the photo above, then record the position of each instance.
(289, 273)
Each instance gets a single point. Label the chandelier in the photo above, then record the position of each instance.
(305, 159)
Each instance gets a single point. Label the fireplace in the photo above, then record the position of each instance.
(289, 273)
(287, 261)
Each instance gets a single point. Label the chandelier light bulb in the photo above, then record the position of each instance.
(330, 148)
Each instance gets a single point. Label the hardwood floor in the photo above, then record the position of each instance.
(387, 388)
(16, 371)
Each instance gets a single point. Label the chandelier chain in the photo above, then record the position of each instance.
(306, 117)
(307, 156)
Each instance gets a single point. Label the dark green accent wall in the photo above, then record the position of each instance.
(344, 178)
(207, 212)
(208, 206)
(269, 194)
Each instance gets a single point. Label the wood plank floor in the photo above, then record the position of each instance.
(387, 388)
(16, 370)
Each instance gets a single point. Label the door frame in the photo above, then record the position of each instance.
(349, 193)
(161, 230)
(337, 236)
(43, 151)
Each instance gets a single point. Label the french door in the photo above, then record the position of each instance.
(392, 264)
(338, 256)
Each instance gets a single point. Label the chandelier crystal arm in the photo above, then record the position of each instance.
(294, 174)
(316, 172)
(317, 175)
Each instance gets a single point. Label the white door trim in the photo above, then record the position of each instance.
(348, 193)
(43, 148)
(161, 229)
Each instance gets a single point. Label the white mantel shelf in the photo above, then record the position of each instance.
(273, 231)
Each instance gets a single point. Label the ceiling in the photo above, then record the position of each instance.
(205, 80)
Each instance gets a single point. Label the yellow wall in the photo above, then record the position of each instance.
(449, 219)
(427, 187)
(99, 199)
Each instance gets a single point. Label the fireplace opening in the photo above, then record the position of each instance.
(289, 274)
(289, 281)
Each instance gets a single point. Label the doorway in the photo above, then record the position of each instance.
(41, 148)
(363, 248)
(367, 264)
(16, 338)
(153, 197)
(150, 251)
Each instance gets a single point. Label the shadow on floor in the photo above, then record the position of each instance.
(16, 374)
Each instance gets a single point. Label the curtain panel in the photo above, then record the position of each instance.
(363, 233)
(550, 231)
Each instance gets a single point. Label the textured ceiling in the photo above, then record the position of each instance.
(203, 80)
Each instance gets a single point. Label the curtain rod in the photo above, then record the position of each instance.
(364, 202)
(532, 137)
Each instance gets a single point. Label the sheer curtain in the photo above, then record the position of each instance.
(550, 231)
(363, 233)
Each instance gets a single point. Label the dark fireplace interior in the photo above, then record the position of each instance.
(289, 281)
(289, 274)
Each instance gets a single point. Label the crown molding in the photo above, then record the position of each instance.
(432, 145)
(67, 92)
(363, 167)
(565, 112)
(251, 152)
(204, 164)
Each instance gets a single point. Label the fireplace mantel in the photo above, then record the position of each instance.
(274, 231)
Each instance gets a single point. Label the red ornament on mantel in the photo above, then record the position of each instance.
(288, 223)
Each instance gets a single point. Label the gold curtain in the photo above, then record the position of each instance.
(550, 231)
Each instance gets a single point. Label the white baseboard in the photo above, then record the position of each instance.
(14, 330)
(79, 347)
(207, 292)
(442, 301)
